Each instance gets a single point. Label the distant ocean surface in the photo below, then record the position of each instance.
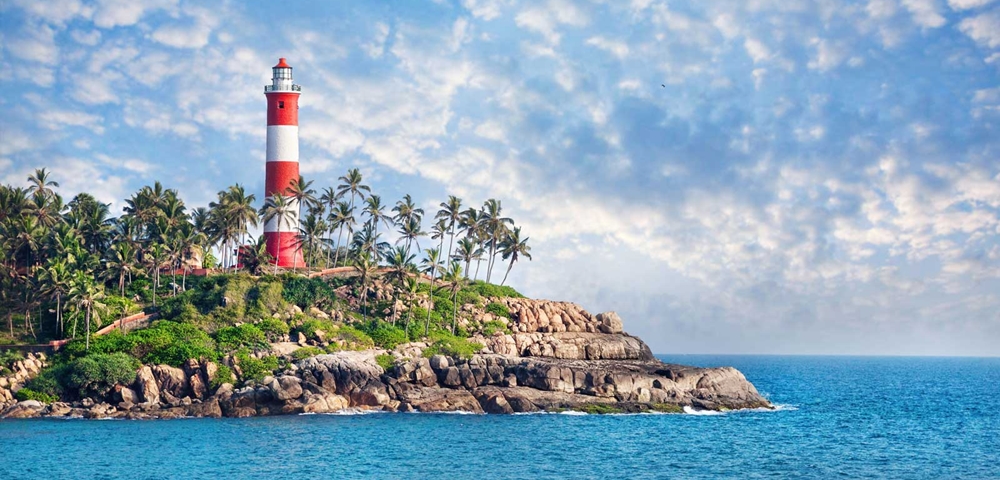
(839, 417)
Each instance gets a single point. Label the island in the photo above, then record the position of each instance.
(133, 317)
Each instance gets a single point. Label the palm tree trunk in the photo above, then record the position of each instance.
(479, 261)
(454, 313)
(277, 257)
(88, 327)
(508, 271)
(62, 331)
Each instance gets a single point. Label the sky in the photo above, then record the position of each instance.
(733, 176)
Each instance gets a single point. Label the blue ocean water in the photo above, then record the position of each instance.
(840, 417)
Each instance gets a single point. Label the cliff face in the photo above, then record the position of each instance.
(558, 356)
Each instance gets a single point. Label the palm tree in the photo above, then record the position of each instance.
(329, 199)
(412, 284)
(340, 218)
(495, 227)
(40, 183)
(56, 280)
(352, 183)
(451, 213)
(376, 213)
(155, 255)
(400, 266)
(253, 257)
(430, 264)
(87, 295)
(278, 208)
(452, 278)
(302, 192)
(468, 250)
(405, 209)
(513, 247)
(310, 237)
(120, 263)
(365, 268)
(409, 231)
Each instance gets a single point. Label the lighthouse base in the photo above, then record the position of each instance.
(284, 247)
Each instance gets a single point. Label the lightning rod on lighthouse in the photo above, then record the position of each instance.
(283, 164)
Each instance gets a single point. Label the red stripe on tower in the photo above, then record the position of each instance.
(282, 162)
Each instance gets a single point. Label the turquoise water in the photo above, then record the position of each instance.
(841, 417)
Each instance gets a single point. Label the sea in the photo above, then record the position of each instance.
(836, 417)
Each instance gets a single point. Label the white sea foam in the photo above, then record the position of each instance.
(692, 411)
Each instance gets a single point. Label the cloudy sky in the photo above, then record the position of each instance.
(733, 176)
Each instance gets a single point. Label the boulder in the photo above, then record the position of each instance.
(146, 386)
(285, 387)
(24, 409)
(171, 379)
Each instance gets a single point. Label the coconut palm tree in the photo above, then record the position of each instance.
(340, 218)
(376, 213)
(278, 208)
(86, 295)
(253, 257)
(120, 263)
(41, 183)
(473, 226)
(412, 284)
(310, 237)
(56, 281)
(451, 213)
(430, 263)
(303, 193)
(329, 199)
(496, 226)
(400, 263)
(405, 210)
(410, 232)
(468, 250)
(366, 269)
(513, 247)
(351, 183)
(453, 280)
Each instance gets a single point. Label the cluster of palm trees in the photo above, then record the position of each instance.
(65, 258)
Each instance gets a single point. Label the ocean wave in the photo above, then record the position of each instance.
(691, 411)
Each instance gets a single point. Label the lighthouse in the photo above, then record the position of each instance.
(283, 163)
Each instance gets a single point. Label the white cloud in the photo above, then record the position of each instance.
(122, 13)
(546, 18)
(193, 33)
(377, 45)
(614, 47)
(491, 130)
(53, 119)
(926, 13)
(34, 43)
(484, 9)
(984, 29)
(89, 38)
(828, 55)
(967, 4)
(54, 11)
(756, 49)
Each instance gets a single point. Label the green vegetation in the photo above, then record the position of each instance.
(29, 394)
(493, 326)
(255, 369)
(223, 375)
(306, 352)
(385, 361)
(599, 408)
(666, 408)
(68, 268)
(447, 344)
(498, 309)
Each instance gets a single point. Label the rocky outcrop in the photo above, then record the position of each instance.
(20, 372)
(558, 356)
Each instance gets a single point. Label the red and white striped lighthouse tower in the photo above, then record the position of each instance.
(283, 163)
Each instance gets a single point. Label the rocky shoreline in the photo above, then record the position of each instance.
(557, 357)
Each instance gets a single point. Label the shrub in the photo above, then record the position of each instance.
(305, 292)
(493, 326)
(233, 338)
(307, 352)
(385, 335)
(48, 381)
(96, 374)
(385, 361)
(452, 346)
(498, 309)
(256, 368)
(495, 291)
(598, 408)
(223, 375)
(29, 394)
(354, 339)
(140, 287)
(209, 260)
(273, 328)
(269, 296)
(9, 357)
(311, 325)
(120, 306)
(166, 342)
